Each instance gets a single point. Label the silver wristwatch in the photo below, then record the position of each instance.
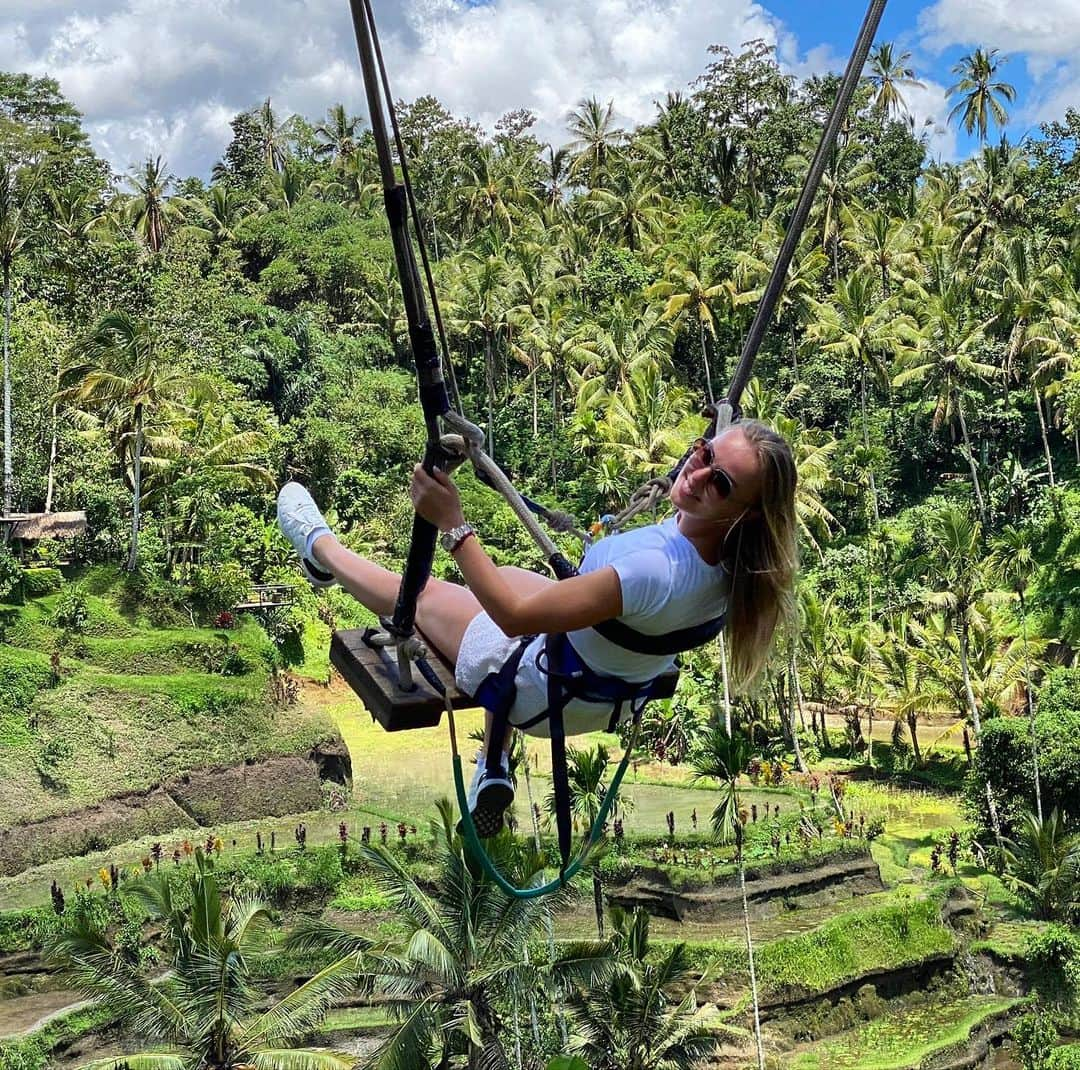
(452, 539)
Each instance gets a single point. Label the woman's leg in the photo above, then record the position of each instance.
(443, 610)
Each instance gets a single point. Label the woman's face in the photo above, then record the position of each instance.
(699, 490)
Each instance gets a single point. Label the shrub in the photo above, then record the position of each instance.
(1064, 1058)
(72, 610)
(1054, 956)
(10, 573)
(216, 589)
(1035, 1035)
(41, 581)
(1004, 756)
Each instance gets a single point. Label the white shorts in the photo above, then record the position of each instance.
(484, 650)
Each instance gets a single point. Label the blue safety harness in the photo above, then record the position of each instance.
(569, 678)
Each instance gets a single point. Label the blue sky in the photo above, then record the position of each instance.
(157, 78)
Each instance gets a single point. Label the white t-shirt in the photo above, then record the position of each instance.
(666, 586)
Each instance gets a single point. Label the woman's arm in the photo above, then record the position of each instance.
(578, 602)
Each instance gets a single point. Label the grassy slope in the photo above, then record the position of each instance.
(134, 703)
(901, 1040)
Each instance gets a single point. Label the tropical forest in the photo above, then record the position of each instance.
(211, 855)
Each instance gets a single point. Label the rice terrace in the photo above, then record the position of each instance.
(575, 566)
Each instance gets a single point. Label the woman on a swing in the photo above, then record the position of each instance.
(729, 549)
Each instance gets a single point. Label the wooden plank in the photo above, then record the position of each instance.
(372, 674)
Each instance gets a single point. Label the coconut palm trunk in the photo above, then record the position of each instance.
(705, 361)
(9, 468)
(489, 386)
(727, 687)
(136, 495)
(1030, 708)
(1042, 431)
(965, 670)
(971, 461)
(794, 702)
(866, 446)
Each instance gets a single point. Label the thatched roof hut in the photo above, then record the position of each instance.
(45, 525)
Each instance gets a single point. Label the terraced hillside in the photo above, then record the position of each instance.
(113, 726)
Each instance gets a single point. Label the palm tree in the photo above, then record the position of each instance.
(691, 294)
(1042, 865)
(273, 136)
(479, 305)
(724, 758)
(888, 73)
(337, 134)
(988, 199)
(950, 338)
(120, 373)
(556, 176)
(596, 140)
(956, 562)
(813, 450)
(639, 1018)
(1012, 557)
(871, 333)
(639, 428)
(206, 1010)
(817, 650)
(221, 214)
(552, 338)
(462, 947)
(631, 207)
(1024, 278)
(980, 96)
(16, 190)
(150, 212)
(906, 679)
(201, 461)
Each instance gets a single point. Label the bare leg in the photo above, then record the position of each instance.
(443, 610)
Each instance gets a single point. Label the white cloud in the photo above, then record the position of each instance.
(1046, 34)
(1051, 27)
(152, 76)
(929, 107)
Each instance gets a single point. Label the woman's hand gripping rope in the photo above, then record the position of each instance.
(436, 499)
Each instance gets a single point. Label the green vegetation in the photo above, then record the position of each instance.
(177, 348)
(903, 1040)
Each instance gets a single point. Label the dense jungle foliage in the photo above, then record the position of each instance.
(177, 348)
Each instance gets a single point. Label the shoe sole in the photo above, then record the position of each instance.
(491, 803)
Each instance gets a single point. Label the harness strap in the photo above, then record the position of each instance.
(497, 694)
(663, 645)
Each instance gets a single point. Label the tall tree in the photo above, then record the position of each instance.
(871, 334)
(16, 190)
(889, 73)
(120, 373)
(337, 134)
(462, 945)
(596, 141)
(980, 95)
(947, 361)
(150, 212)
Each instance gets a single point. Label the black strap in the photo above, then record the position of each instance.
(497, 694)
(663, 645)
(560, 777)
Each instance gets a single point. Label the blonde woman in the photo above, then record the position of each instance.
(727, 551)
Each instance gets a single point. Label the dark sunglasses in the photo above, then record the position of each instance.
(720, 481)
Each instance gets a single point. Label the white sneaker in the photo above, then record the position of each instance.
(302, 523)
(490, 794)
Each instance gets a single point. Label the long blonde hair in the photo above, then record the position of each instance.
(761, 555)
